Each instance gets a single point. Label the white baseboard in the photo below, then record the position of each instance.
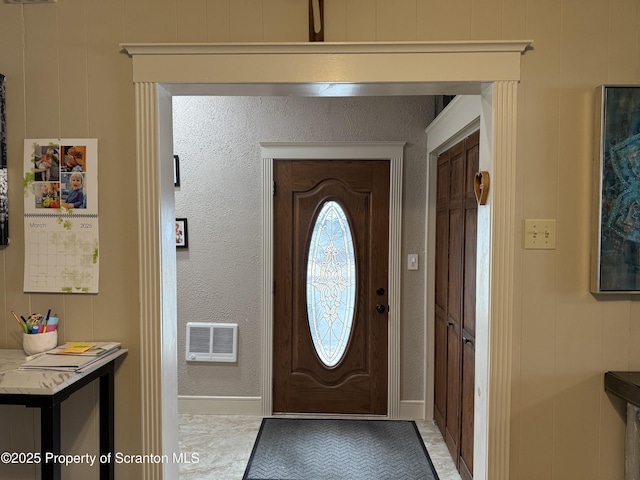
(220, 405)
(412, 409)
(194, 405)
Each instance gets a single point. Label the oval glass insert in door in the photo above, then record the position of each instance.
(331, 283)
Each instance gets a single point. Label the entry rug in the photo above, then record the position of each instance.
(339, 449)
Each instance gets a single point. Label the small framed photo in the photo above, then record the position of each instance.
(182, 236)
(176, 170)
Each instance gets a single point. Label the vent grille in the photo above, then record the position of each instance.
(212, 342)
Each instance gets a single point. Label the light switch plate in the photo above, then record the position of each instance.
(540, 234)
(412, 261)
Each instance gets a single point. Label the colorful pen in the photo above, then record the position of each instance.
(44, 330)
(22, 324)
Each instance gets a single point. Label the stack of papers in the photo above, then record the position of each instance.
(70, 357)
(83, 348)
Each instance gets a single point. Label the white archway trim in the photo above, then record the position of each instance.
(491, 69)
(495, 279)
(392, 151)
(157, 272)
(460, 67)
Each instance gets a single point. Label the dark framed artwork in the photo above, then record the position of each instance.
(176, 170)
(182, 234)
(615, 256)
(4, 207)
(441, 102)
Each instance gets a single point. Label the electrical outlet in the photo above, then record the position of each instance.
(540, 234)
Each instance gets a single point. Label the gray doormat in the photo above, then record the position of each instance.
(336, 449)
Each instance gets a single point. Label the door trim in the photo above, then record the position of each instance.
(392, 151)
(489, 68)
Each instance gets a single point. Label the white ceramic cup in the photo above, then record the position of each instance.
(33, 343)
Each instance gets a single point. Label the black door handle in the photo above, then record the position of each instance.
(380, 308)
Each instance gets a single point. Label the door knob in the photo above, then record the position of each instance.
(380, 308)
(380, 291)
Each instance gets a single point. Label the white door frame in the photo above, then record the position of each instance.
(488, 68)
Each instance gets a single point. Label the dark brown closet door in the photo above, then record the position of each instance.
(456, 234)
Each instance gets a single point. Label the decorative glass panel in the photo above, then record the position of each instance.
(331, 283)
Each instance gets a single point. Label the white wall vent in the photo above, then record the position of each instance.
(212, 342)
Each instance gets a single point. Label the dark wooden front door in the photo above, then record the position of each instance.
(356, 381)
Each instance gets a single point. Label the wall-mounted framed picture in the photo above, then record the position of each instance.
(182, 235)
(615, 252)
(176, 170)
(4, 184)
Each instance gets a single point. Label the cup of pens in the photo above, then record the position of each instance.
(33, 343)
(40, 333)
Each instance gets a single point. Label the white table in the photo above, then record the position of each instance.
(47, 389)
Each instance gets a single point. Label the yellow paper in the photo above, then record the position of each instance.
(77, 347)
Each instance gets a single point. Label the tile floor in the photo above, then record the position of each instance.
(224, 443)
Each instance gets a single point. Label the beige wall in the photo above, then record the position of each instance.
(564, 425)
(66, 77)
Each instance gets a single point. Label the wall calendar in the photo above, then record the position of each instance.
(61, 215)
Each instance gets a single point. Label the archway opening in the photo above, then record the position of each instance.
(488, 69)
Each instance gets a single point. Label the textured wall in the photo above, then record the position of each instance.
(220, 276)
